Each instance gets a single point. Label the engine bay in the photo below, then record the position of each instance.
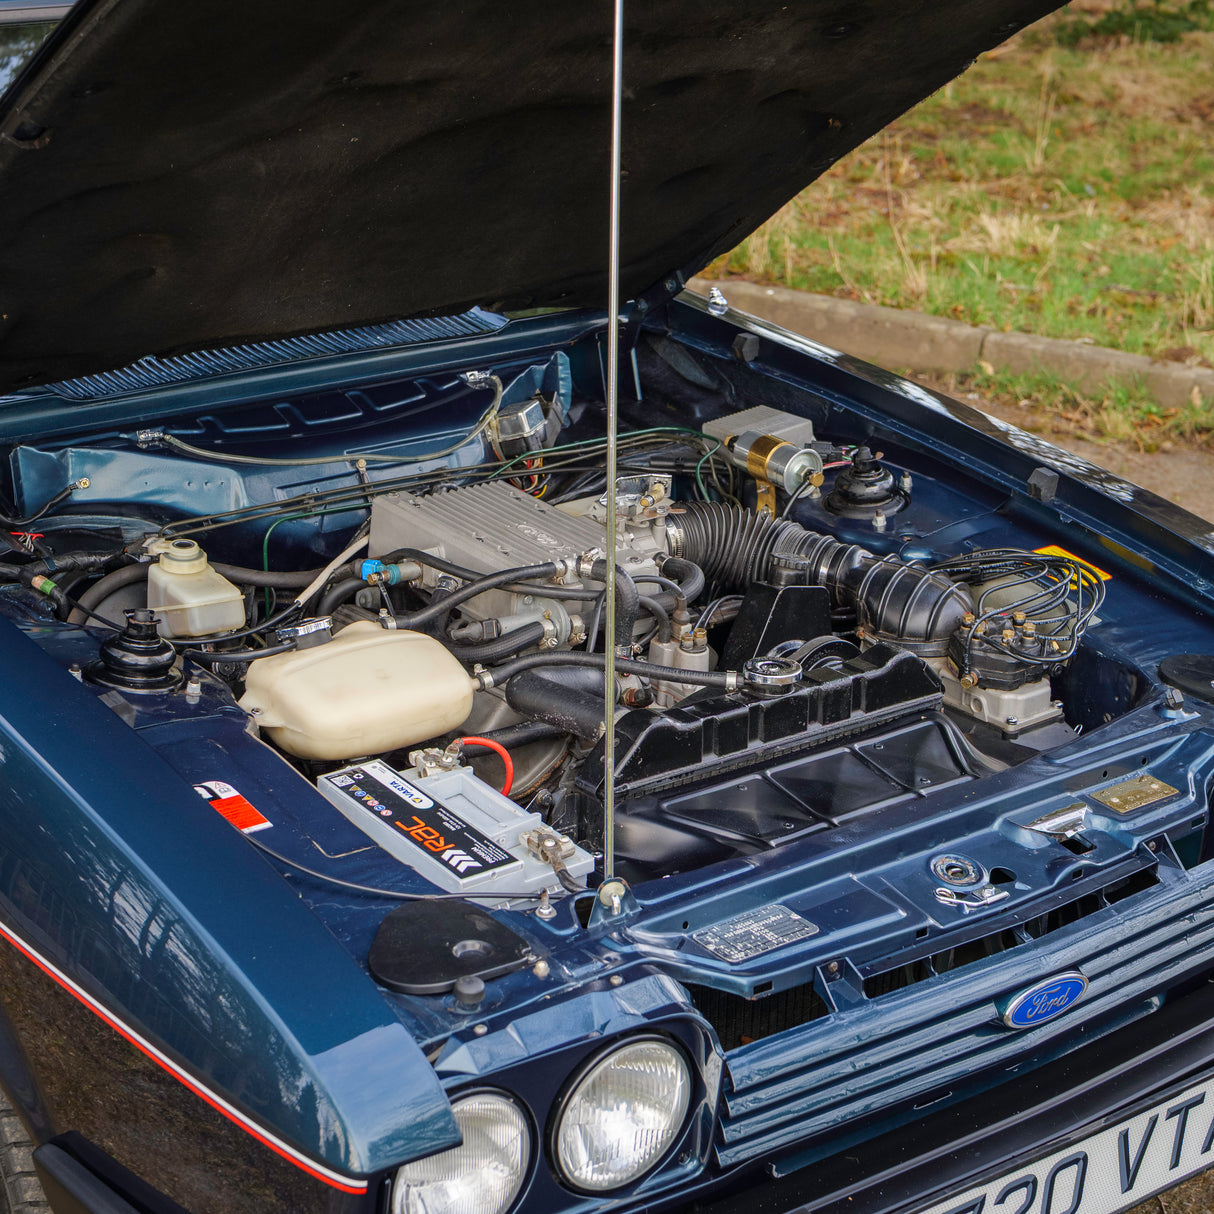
(813, 622)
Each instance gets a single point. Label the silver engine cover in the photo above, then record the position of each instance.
(495, 526)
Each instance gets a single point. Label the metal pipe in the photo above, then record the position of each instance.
(613, 383)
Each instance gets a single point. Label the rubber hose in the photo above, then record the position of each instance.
(397, 555)
(597, 661)
(505, 646)
(524, 733)
(906, 604)
(101, 589)
(627, 603)
(656, 579)
(414, 619)
(209, 657)
(444, 588)
(592, 629)
(659, 613)
(573, 708)
(688, 574)
(554, 590)
(338, 593)
(291, 579)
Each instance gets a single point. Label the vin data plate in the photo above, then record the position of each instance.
(754, 933)
(1109, 1171)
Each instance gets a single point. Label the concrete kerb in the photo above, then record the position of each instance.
(898, 339)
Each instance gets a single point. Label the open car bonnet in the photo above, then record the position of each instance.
(185, 176)
(337, 874)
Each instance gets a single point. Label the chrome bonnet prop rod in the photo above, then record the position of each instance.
(613, 382)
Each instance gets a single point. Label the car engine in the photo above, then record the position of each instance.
(790, 651)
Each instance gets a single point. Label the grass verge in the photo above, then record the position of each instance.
(1063, 186)
(1126, 413)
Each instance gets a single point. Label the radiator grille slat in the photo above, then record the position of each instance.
(920, 1042)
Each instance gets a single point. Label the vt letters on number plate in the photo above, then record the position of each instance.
(1111, 1170)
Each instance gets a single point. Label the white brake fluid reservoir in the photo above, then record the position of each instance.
(191, 598)
(367, 691)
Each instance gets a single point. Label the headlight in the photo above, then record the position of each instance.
(622, 1116)
(483, 1176)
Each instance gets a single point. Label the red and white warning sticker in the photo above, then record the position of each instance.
(238, 810)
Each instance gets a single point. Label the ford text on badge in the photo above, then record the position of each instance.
(1043, 1000)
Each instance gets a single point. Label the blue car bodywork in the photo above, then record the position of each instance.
(170, 1000)
(902, 948)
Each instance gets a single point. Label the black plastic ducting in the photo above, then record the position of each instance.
(904, 604)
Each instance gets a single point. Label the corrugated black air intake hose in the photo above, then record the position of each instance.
(904, 604)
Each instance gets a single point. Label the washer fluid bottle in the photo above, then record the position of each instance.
(191, 598)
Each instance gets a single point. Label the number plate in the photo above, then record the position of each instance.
(1109, 1171)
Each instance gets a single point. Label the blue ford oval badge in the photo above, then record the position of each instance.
(1043, 1000)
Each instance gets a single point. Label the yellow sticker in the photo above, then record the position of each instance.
(1054, 550)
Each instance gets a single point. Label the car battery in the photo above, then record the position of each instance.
(454, 829)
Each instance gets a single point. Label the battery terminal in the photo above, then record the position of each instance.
(553, 849)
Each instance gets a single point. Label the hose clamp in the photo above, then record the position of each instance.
(675, 538)
(586, 560)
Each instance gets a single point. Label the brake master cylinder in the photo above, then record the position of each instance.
(191, 598)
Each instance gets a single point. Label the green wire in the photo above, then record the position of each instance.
(287, 518)
(700, 467)
(594, 442)
(356, 497)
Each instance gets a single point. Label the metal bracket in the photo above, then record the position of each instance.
(765, 497)
(1063, 823)
(971, 899)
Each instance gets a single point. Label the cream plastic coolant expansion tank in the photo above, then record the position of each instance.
(367, 691)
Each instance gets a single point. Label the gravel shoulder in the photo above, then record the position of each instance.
(1182, 474)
